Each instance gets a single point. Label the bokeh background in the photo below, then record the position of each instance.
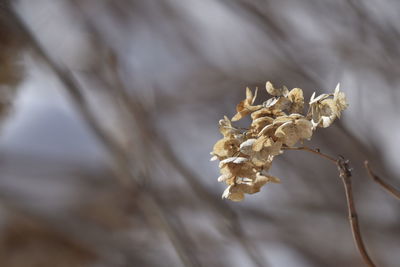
(109, 110)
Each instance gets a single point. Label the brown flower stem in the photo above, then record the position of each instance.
(393, 191)
(345, 175)
(315, 151)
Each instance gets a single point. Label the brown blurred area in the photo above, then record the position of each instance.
(109, 110)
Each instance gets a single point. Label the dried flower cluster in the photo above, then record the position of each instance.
(246, 154)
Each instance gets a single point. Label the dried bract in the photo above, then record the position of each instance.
(325, 110)
(245, 107)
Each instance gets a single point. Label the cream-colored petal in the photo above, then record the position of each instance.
(304, 128)
(318, 98)
(266, 129)
(270, 102)
(268, 178)
(276, 91)
(223, 177)
(287, 133)
(297, 99)
(337, 89)
(281, 130)
(226, 128)
(260, 123)
(246, 146)
(259, 143)
(249, 94)
(255, 96)
(340, 100)
(232, 193)
(273, 148)
(226, 147)
(235, 160)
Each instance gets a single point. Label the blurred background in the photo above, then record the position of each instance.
(109, 110)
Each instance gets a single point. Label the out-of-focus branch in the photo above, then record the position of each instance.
(234, 227)
(121, 159)
(76, 95)
(137, 112)
(95, 239)
(389, 188)
(156, 216)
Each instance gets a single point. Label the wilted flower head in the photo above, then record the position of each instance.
(246, 155)
(325, 110)
(245, 106)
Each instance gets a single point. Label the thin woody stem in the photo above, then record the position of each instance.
(345, 175)
(393, 191)
(315, 151)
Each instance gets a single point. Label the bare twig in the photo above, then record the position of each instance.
(345, 175)
(393, 191)
(315, 151)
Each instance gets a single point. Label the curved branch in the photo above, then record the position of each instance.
(315, 151)
(345, 175)
(393, 191)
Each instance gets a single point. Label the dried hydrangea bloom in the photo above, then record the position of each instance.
(246, 155)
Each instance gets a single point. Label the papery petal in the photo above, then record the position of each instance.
(259, 143)
(232, 193)
(246, 146)
(287, 132)
(304, 128)
(223, 177)
(226, 128)
(276, 91)
(260, 123)
(235, 160)
(266, 129)
(226, 147)
(249, 95)
(297, 99)
(270, 102)
(318, 98)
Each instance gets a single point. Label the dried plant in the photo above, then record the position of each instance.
(122, 212)
(246, 155)
(278, 124)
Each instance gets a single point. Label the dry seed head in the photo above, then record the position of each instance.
(246, 156)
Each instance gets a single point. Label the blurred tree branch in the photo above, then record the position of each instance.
(389, 188)
(123, 174)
